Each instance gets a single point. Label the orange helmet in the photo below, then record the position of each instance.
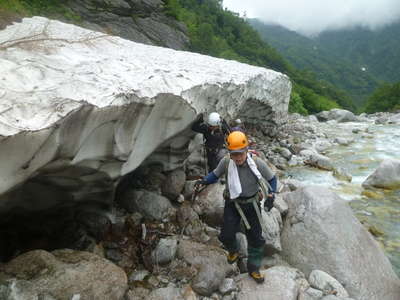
(237, 142)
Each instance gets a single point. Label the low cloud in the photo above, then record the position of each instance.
(310, 17)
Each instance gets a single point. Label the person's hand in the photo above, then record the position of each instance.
(200, 117)
(269, 202)
(200, 182)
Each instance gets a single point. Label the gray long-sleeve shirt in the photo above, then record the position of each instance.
(247, 178)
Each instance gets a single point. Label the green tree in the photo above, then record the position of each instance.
(296, 104)
(385, 98)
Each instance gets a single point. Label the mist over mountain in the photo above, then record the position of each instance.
(356, 60)
(310, 18)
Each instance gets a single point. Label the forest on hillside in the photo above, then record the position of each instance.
(357, 60)
(306, 53)
(385, 98)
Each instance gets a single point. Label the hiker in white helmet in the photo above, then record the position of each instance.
(214, 132)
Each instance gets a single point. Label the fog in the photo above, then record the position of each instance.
(310, 17)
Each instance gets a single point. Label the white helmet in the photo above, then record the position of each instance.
(214, 119)
(238, 121)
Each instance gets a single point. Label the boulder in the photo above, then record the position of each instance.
(211, 202)
(339, 115)
(64, 274)
(190, 221)
(272, 221)
(326, 283)
(321, 233)
(386, 176)
(174, 184)
(281, 283)
(317, 160)
(211, 264)
(151, 205)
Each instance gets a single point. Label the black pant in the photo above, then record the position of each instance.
(231, 225)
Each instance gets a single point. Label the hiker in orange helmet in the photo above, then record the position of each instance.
(247, 177)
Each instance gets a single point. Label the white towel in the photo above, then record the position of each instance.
(235, 187)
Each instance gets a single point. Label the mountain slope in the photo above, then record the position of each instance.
(378, 51)
(327, 62)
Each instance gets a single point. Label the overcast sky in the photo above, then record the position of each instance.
(313, 16)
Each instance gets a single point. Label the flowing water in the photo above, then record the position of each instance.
(380, 209)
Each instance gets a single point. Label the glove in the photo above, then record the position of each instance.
(269, 202)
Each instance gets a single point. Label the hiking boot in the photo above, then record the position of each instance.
(257, 276)
(232, 257)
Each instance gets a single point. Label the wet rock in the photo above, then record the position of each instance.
(387, 175)
(343, 141)
(382, 120)
(317, 160)
(342, 174)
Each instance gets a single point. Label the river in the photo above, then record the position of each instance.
(378, 208)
